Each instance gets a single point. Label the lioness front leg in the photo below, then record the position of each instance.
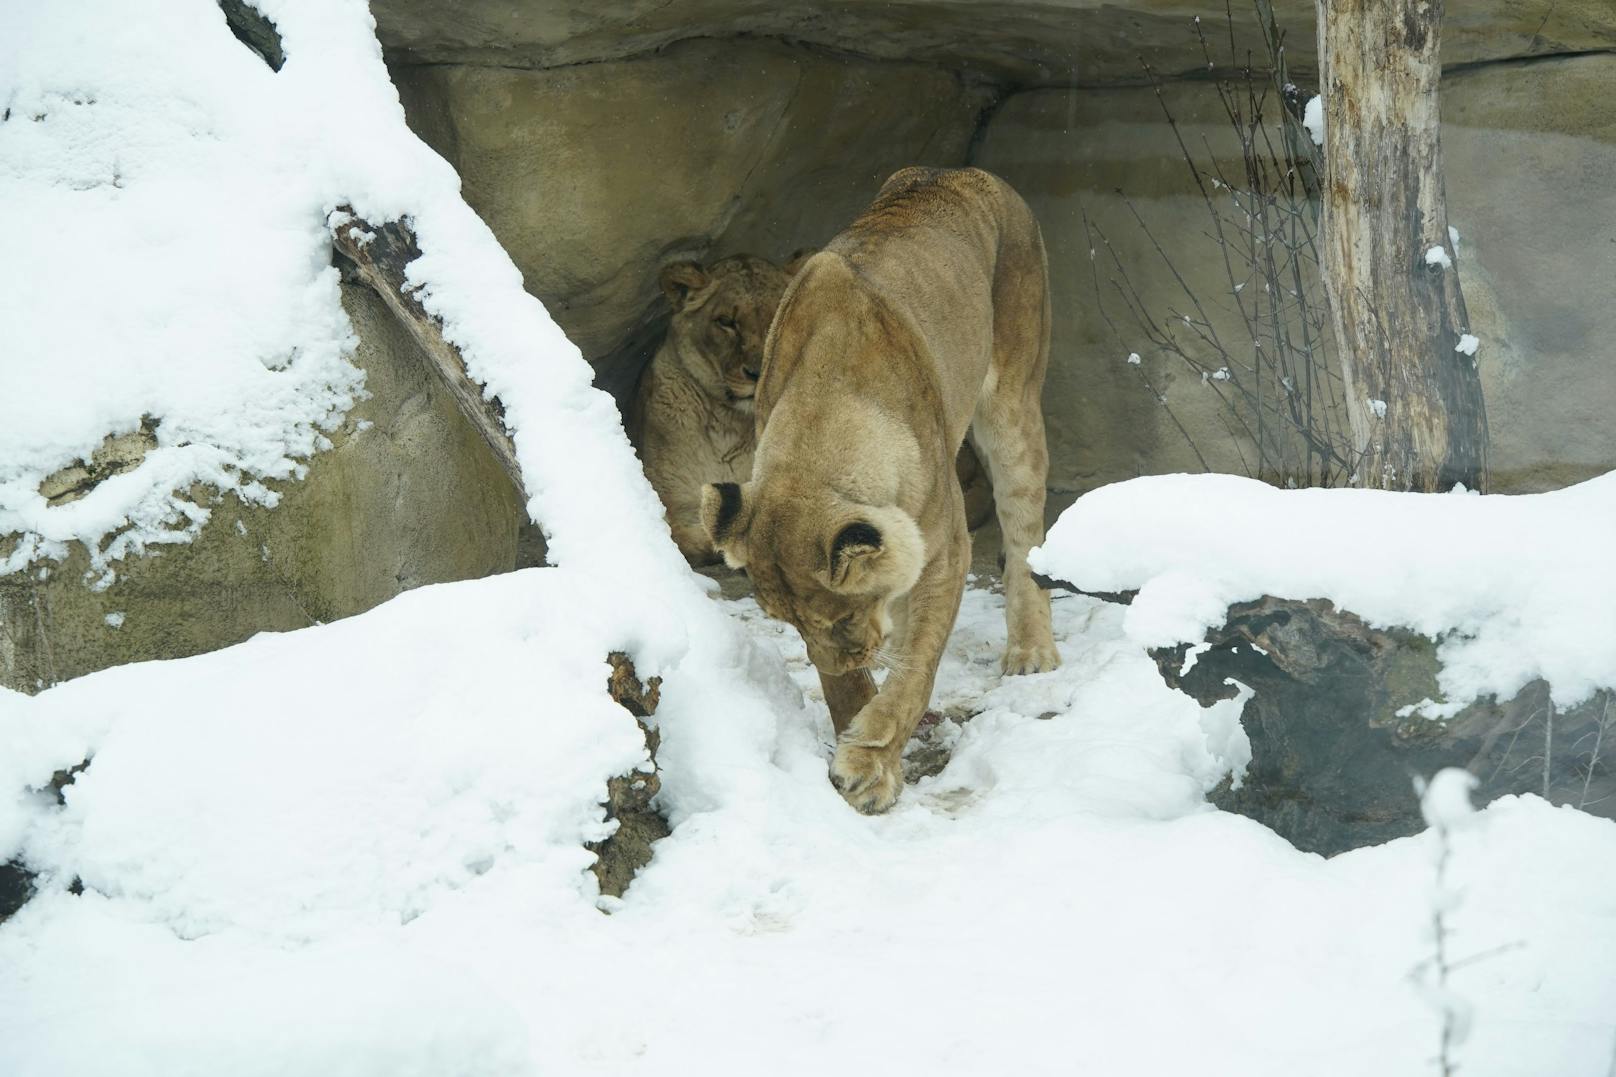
(845, 695)
(868, 767)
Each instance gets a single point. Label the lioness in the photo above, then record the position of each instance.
(928, 315)
(691, 418)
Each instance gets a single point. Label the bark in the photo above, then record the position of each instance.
(1397, 319)
(381, 254)
(628, 796)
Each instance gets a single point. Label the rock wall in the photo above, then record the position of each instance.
(594, 175)
(1530, 149)
(1016, 42)
(408, 495)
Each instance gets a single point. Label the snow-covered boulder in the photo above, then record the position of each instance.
(1381, 634)
(407, 494)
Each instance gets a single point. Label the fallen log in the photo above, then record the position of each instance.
(379, 255)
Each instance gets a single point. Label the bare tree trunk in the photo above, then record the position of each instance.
(1389, 265)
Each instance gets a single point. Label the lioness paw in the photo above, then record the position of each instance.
(1030, 658)
(868, 778)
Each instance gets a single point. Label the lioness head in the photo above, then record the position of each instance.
(721, 315)
(829, 566)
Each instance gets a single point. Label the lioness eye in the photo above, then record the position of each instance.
(726, 323)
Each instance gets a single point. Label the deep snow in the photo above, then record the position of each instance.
(357, 848)
(1515, 587)
(139, 159)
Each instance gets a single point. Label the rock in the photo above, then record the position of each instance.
(1076, 153)
(415, 497)
(593, 176)
(16, 881)
(1529, 151)
(16, 887)
(255, 31)
(628, 796)
(1085, 42)
(1333, 762)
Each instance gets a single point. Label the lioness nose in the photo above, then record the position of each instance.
(750, 373)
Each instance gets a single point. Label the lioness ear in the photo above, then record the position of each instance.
(796, 261)
(679, 279)
(723, 517)
(881, 552)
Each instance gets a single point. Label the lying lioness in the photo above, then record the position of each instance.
(927, 316)
(691, 418)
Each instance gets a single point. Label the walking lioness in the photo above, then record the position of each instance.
(927, 316)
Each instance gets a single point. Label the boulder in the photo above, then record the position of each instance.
(1335, 747)
(408, 494)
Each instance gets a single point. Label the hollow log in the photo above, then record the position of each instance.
(1388, 261)
(1333, 762)
(380, 255)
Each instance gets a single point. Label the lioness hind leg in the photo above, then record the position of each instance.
(1018, 463)
(1008, 427)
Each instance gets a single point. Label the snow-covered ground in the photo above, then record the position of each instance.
(357, 849)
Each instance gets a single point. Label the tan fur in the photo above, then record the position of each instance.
(691, 418)
(927, 318)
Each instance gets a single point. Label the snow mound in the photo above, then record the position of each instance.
(357, 849)
(1515, 588)
(165, 199)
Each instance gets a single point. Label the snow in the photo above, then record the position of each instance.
(376, 867)
(1515, 587)
(167, 148)
(358, 848)
(1445, 799)
(1468, 344)
(1438, 256)
(1313, 119)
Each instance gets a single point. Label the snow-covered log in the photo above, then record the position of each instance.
(1413, 394)
(381, 254)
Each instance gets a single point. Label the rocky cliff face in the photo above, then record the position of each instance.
(600, 139)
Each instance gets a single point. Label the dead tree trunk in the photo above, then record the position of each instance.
(1413, 392)
(380, 255)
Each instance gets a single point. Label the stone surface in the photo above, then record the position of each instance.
(1333, 763)
(1531, 156)
(593, 176)
(1530, 150)
(1084, 42)
(414, 498)
(1069, 153)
